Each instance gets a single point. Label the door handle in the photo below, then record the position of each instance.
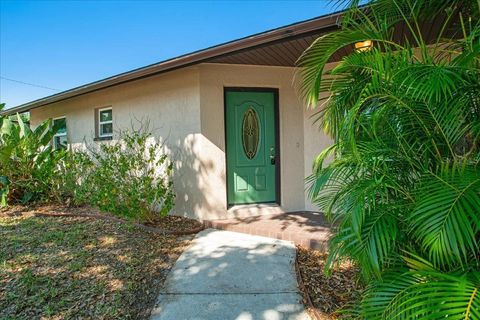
(272, 155)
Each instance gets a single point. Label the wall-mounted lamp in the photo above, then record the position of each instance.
(364, 45)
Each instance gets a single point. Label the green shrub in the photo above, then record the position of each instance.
(129, 177)
(28, 163)
(404, 187)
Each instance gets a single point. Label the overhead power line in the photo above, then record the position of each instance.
(29, 84)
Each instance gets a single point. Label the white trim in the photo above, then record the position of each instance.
(100, 122)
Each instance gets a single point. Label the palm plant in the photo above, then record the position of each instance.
(404, 186)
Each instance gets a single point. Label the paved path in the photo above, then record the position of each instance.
(227, 275)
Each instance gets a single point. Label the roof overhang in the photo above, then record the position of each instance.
(279, 47)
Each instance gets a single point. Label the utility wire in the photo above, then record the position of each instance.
(29, 84)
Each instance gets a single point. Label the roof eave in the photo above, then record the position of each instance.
(186, 60)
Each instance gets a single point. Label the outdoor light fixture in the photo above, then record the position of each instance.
(364, 45)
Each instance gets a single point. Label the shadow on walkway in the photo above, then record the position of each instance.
(229, 275)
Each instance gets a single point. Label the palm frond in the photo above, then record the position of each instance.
(403, 187)
(445, 219)
(429, 295)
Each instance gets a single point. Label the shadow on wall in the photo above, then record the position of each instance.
(226, 276)
(199, 180)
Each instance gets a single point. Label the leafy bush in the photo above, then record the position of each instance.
(404, 187)
(28, 164)
(129, 177)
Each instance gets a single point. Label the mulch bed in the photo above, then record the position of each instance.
(164, 225)
(329, 295)
(177, 224)
(67, 267)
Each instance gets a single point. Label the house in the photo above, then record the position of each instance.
(229, 116)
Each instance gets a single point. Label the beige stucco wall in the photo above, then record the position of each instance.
(315, 139)
(315, 142)
(171, 102)
(186, 111)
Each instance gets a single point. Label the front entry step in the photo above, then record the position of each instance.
(308, 229)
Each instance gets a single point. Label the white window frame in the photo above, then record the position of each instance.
(60, 134)
(100, 123)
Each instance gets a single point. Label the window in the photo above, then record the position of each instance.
(105, 122)
(60, 138)
(250, 133)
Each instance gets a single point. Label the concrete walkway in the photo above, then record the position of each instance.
(228, 275)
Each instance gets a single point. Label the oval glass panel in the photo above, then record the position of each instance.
(250, 133)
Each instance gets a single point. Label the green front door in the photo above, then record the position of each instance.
(251, 146)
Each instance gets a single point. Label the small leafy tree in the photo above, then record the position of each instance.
(404, 187)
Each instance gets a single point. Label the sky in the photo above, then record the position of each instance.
(50, 46)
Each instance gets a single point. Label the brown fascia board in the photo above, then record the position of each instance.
(292, 30)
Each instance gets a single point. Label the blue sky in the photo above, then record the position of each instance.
(63, 44)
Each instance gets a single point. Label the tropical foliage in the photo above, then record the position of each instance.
(27, 161)
(404, 186)
(130, 177)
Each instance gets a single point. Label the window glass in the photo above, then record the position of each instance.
(105, 123)
(60, 140)
(250, 133)
(63, 125)
(106, 129)
(105, 115)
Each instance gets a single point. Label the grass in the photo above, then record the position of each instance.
(64, 268)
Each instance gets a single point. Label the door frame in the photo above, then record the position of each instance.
(276, 119)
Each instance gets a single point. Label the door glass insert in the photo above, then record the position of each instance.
(250, 133)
